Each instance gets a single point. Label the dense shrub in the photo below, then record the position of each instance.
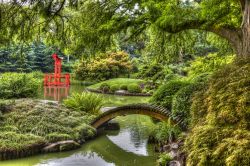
(124, 87)
(104, 87)
(104, 66)
(164, 159)
(86, 102)
(220, 119)
(148, 71)
(165, 132)
(209, 63)
(164, 94)
(32, 122)
(18, 85)
(134, 88)
(114, 88)
(155, 72)
(182, 100)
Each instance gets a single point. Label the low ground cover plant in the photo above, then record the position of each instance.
(30, 124)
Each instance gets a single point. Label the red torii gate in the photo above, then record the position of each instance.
(56, 78)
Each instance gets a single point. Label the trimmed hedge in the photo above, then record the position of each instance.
(114, 88)
(134, 88)
(124, 87)
(182, 101)
(104, 87)
(164, 94)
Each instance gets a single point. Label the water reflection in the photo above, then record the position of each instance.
(78, 159)
(56, 93)
(59, 93)
(126, 140)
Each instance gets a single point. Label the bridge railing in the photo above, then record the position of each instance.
(147, 107)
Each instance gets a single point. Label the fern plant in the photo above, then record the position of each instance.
(86, 102)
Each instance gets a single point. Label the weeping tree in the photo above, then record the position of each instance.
(227, 18)
(56, 19)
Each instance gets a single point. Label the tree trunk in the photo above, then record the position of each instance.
(243, 48)
(239, 38)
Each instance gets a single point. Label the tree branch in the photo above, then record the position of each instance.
(231, 34)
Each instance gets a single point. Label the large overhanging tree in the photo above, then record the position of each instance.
(229, 19)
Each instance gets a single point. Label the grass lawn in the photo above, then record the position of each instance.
(117, 81)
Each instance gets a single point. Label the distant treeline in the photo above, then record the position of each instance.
(33, 57)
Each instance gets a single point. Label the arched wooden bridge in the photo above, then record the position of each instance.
(154, 111)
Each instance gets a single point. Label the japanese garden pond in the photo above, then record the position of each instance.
(60, 93)
(125, 147)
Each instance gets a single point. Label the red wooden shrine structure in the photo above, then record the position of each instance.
(57, 78)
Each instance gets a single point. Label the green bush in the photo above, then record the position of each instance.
(208, 64)
(164, 159)
(134, 88)
(164, 94)
(124, 87)
(104, 87)
(86, 102)
(164, 131)
(114, 88)
(220, 133)
(182, 100)
(18, 85)
(104, 66)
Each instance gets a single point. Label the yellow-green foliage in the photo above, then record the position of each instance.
(221, 119)
(30, 122)
(17, 141)
(85, 102)
(19, 85)
(209, 63)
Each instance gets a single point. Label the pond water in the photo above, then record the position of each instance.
(126, 147)
(60, 93)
